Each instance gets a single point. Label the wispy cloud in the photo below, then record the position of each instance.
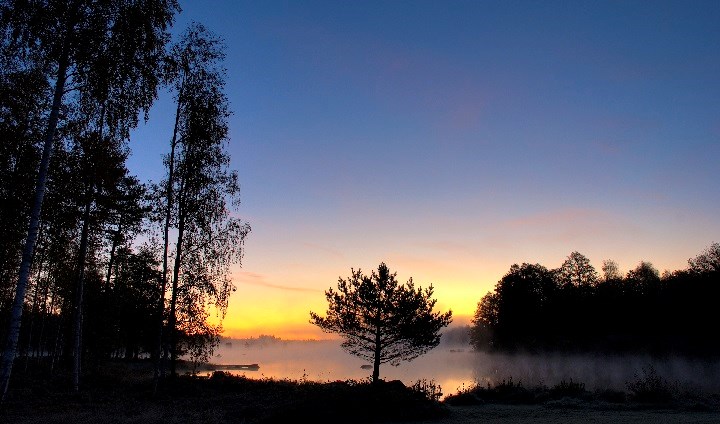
(568, 225)
(256, 279)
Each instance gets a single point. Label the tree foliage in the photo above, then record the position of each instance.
(577, 271)
(382, 320)
(200, 191)
(75, 77)
(91, 58)
(534, 309)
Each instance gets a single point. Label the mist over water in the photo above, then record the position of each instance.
(595, 370)
(458, 367)
(451, 367)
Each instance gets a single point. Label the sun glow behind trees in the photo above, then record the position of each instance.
(471, 180)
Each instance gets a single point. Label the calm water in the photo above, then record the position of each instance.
(457, 367)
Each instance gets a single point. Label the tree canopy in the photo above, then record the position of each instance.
(94, 61)
(199, 193)
(382, 320)
(83, 272)
(570, 308)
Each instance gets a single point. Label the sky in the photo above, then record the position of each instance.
(452, 139)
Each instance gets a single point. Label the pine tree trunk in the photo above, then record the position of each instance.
(376, 362)
(16, 315)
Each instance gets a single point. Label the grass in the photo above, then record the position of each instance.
(122, 392)
(647, 390)
(119, 395)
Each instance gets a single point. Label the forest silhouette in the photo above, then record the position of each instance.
(573, 308)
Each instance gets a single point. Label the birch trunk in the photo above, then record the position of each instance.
(166, 241)
(173, 297)
(24, 274)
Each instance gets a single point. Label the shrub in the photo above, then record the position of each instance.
(506, 391)
(651, 388)
(428, 389)
(570, 389)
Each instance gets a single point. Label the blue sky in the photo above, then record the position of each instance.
(451, 139)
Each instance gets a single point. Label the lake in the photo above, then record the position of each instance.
(458, 367)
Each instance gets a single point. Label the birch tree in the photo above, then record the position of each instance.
(200, 193)
(92, 54)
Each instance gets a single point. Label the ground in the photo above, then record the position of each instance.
(541, 414)
(123, 395)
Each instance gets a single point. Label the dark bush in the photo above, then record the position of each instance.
(651, 388)
(571, 389)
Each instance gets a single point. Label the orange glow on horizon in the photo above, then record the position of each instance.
(279, 305)
(277, 300)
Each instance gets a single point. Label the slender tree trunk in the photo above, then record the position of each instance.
(174, 294)
(79, 288)
(41, 262)
(166, 239)
(49, 138)
(111, 259)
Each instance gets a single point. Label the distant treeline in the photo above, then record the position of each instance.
(456, 336)
(573, 308)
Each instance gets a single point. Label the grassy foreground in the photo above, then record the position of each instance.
(645, 391)
(123, 393)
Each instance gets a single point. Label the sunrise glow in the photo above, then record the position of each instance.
(451, 141)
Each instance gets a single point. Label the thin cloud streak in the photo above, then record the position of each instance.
(255, 279)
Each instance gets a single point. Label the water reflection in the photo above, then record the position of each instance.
(455, 368)
(327, 361)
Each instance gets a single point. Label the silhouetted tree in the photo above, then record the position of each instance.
(576, 271)
(643, 279)
(381, 320)
(524, 294)
(23, 100)
(485, 321)
(83, 48)
(611, 270)
(706, 262)
(200, 191)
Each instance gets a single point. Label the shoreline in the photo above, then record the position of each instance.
(121, 394)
